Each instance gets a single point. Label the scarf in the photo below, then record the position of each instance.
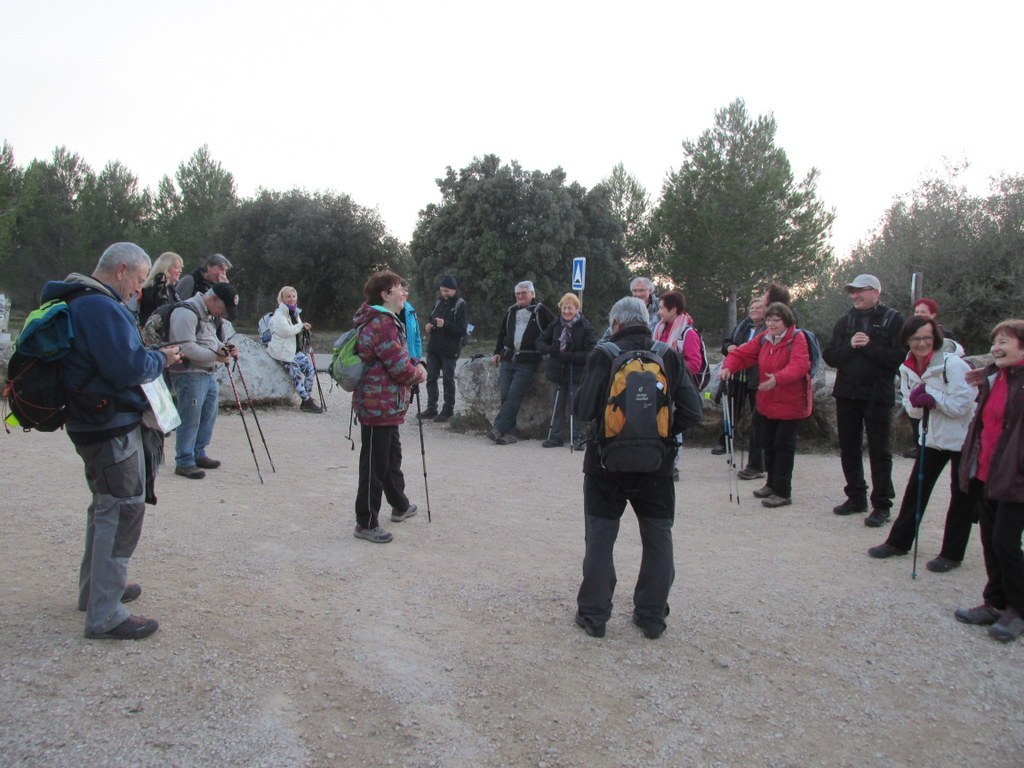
(565, 340)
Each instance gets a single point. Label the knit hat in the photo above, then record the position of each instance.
(449, 282)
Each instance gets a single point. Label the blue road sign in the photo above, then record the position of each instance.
(579, 273)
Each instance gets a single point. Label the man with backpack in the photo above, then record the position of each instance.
(866, 352)
(446, 330)
(213, 270)
(193, 324)
(629, 458)
(106, 365)
(516, 353)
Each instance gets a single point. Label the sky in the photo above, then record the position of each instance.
(376, 100)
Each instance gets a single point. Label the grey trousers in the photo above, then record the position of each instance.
(115, 471)
(657, 563)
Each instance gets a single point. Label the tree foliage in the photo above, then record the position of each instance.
(631, 203)
(323, 245)
(733, 217)
(970, 249)
(499, 224)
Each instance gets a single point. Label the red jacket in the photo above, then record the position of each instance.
(1005, 476)
(382, 396)
(789, 360)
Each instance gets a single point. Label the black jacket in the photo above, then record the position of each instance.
(867, 373)
(593, 395)
(193, 283)
(744, 331)
(156, 295)
(447, 340)
(556, 364)
(540, 319)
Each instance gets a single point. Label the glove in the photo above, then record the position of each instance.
(921, 399)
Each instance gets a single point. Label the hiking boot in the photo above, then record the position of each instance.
(1006, 629)
(764, 492)
(982, 615)
(493, 435)
(430, 413)
(651, 631)
(192, 473)
(941, 564)
(911, 454)
(507, 440)
(885, 550)
(377, 535)
(579, 444)
(205, 462)
(851, 507)
(776, 501)
(718, 450)
(443, 416)
(310, 407)
(590, 629)
(397, 517)
(877, 518)
(552, 444)
(132, 628)
(749, 473)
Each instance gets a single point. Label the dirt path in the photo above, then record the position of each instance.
(285, 641)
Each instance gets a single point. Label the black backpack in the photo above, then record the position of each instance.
(156, 331)
(635, 432)
(35, 390)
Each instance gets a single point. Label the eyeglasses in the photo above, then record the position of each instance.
(774, 319)
(920, 339)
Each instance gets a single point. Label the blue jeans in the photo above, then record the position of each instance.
(196, 395)
(514, 382)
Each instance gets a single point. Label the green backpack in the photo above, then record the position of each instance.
(347, 367)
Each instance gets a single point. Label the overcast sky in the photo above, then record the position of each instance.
(376, 99)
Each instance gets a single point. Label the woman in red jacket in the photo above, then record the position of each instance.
(990, 469)
(783, 395)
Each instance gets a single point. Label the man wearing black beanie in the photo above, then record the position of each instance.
(446, 331)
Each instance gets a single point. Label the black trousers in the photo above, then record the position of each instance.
(853, 417)
(445, 368)
(380, 473)
(959, 516)
(780, 452)
(1002, 524)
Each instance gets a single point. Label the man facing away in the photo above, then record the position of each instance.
(108, 362)
(445, 331)
(196, 391)
(866, 353)
(651, 495)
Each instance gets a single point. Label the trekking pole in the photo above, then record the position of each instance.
(554, 410)
(423, 452)
(307, 341)
(920, 488)
(572, 430)
(351, 423)
(727, 427)
(241, 413)
(252, 407)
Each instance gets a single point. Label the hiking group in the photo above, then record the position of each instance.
(629, 399)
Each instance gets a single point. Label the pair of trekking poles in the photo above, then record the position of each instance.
(554, 414)
(729, 431)
(307, 347)
(241, 412)
(423, 448)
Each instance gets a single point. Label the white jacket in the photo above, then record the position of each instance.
(944, 379)
(282, 335)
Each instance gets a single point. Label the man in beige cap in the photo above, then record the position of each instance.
(866, 352)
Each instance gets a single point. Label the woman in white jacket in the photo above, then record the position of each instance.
(935, 389)
(285, 345)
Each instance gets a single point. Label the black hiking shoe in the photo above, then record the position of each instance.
(651, 631)
(877, 518)
(590, 629)
(851, 507)
(132, 628)
(430, 413)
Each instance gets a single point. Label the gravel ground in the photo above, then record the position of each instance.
(284, 641)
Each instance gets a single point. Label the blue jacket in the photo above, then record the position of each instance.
(413, 338)
(107, 355)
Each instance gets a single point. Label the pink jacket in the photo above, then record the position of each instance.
(789, 360)
(688, 347)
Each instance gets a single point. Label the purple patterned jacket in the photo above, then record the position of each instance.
(382, 397)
